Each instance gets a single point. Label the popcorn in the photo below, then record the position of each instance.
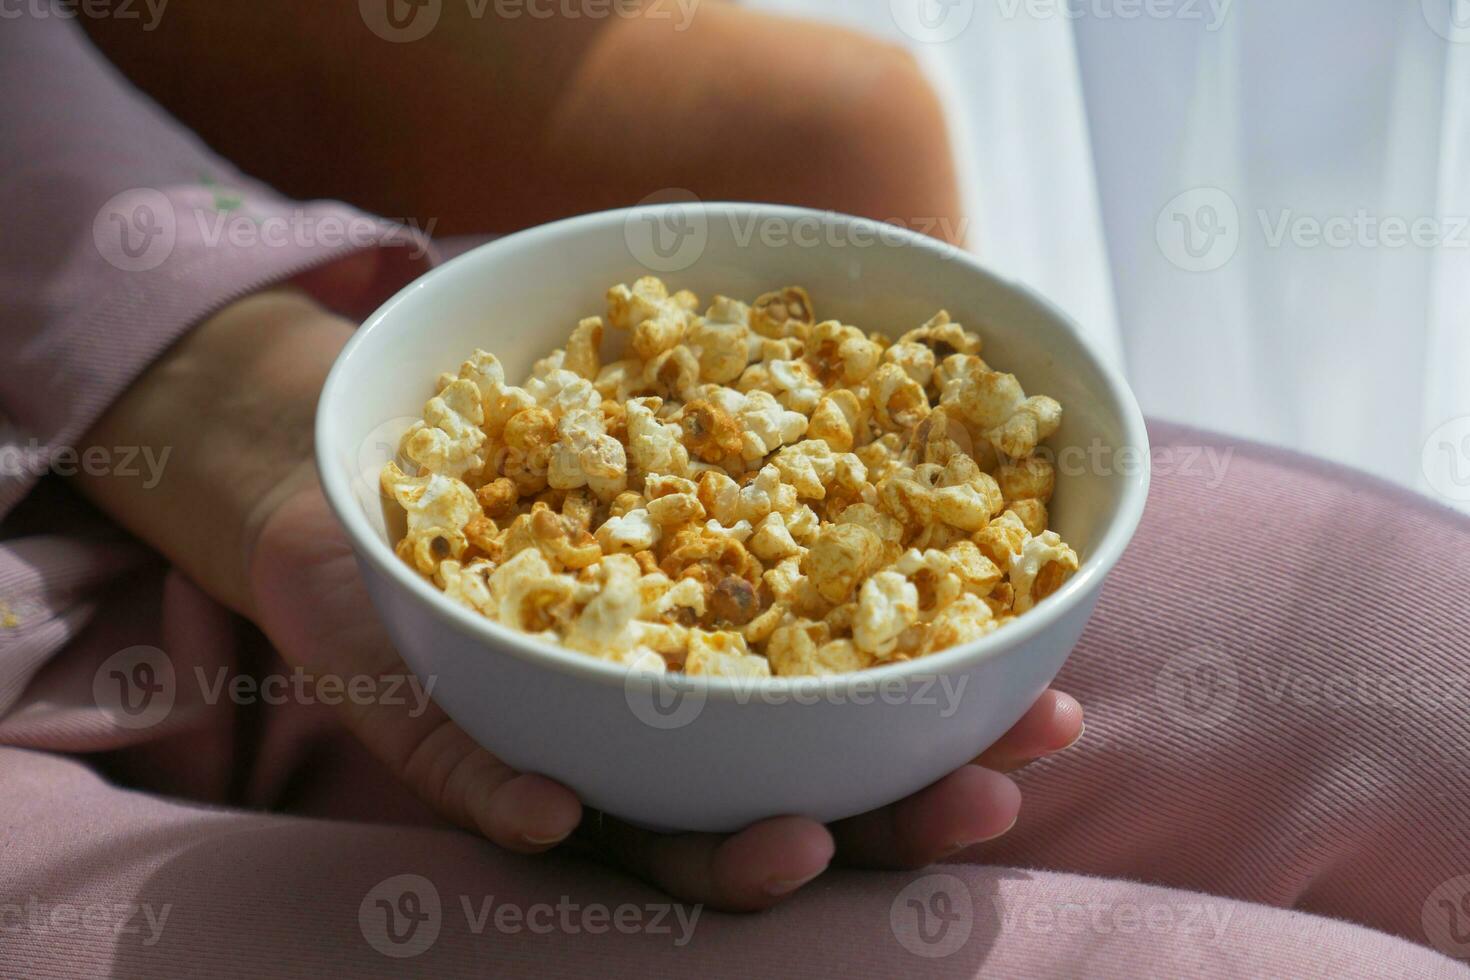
(654, 446)
(560, 391)
(1031, 512)
(840, 557)
(943, 337)
(676, 598)
(966, 496)
(498, 400)
(765, 494)
(936, 580)
(723, 654)
(734, 601)
(838, 420)
(498, 497)
(796, 385)
(968, 618)
(528, 596)
(529, 438)
(994, 403)
(585, 455)
(803, 649)
(675, 509)
(916, 359)
(898, 401)
(1031, 478)
(1032, 421)
(606, 624)
(656, 319)
(621, 380)
(438, 508)
(584, 349)
(558, 539)
(779, 314)
(710, 432)
(887, 605)
(739, 532)
(634, 531)
(773, 542)
(720, 340)
(978, 575)
(764, 424)
(1002, 539)
(449, 439)
(468, 584)
(747, 493)
(1044, 563)
(673, 374)
(842, 353)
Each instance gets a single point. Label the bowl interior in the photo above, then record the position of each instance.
(519, 298)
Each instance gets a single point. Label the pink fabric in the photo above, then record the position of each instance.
(121, 231)
(1272, 782)
(1261, 831)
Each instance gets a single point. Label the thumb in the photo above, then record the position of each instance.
(310, 601)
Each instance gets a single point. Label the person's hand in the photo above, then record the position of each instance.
(246, 518)
(310, 601)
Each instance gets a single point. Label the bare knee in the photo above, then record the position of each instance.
(749, 106)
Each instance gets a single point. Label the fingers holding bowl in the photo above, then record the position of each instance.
(743, 872)
(1052, 724)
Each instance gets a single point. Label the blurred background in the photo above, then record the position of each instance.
(1261, 210)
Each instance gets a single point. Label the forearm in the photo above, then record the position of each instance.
(232, 406)
(492, 123)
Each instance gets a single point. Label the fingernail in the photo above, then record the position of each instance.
(787, 887)
(1080, 732)
(957, 848)
(545, 841)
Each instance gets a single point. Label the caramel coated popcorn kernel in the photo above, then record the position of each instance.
(746, 493)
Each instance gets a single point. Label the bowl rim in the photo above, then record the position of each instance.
(498, 638)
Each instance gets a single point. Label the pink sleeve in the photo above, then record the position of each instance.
(121, 231)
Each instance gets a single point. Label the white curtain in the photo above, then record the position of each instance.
(1260, 209)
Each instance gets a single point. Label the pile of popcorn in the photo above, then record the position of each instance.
(747, 492)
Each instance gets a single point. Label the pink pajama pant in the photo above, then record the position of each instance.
(1273, 782)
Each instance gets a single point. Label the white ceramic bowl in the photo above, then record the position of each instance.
(715, 755)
